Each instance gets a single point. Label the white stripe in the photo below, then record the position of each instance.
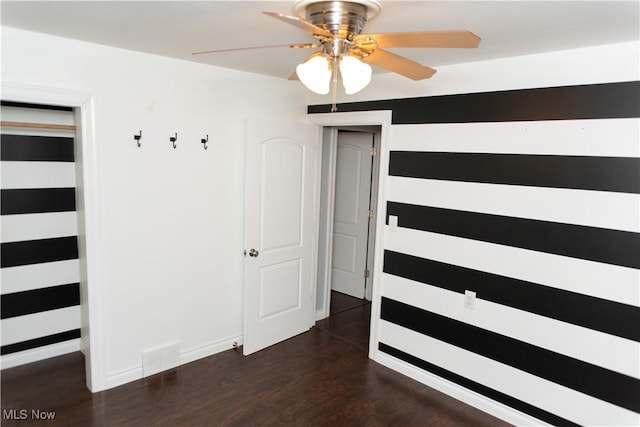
(607, 137)
(600, 280)
(39, 132)
(601, 349)
(40, 353)
(38, 175)
(17, 228)
(35, 276)
(36, 115)
(562, 401)
(23, 328)
(618, 211)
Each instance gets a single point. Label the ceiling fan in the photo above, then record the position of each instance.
(338, 25)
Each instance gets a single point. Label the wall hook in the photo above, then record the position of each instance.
(204, 141)
(137, 138)
(173, 139)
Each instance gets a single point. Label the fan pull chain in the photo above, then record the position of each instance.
(334, 86)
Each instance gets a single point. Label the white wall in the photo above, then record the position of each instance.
(172, 218)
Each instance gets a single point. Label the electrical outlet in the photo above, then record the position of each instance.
(470, 300)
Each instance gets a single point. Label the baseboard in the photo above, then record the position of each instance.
(209, 349)
(40, 353)
(123, 377)
(135, 373)
(462, 394)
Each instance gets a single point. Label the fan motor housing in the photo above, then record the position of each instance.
(345, 19)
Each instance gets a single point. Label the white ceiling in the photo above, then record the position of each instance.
(178, 28)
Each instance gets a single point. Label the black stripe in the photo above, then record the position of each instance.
(39, 251)
(582, 310)
(37, 106)
(510, 401)
(596, 101)
(40, 342)
(38, 200)
(619, 174)
(38, 300)
(601, 383)
(589, 243)
(36, 148)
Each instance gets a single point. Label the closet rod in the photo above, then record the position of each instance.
(36, 125)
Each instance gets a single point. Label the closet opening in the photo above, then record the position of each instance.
(44, 309)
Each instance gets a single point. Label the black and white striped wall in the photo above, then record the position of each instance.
(531, 199)
(40, 311)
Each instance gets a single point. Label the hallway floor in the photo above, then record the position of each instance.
(349, 320)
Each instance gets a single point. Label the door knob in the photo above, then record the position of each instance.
(253, 252)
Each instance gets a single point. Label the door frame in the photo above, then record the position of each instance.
(90, 228)
(381, 118)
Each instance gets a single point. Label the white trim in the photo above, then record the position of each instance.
(40, 353)
(375, 182)
(332, 143)
(91, 236)
(313, 292)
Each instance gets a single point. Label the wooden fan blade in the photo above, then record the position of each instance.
(451, 38)
(293, 76)
(302, 24)
(399, 64)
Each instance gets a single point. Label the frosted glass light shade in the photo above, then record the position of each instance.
(315, 74)
(356, 75)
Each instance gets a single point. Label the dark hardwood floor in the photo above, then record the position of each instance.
(349, 320)
(342, 302)
(320, 377)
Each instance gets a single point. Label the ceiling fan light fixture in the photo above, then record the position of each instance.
(356, 75)
(315, 74)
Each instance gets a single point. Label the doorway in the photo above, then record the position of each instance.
(347, 230)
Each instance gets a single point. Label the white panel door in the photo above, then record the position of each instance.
(280, 231)
(350, 218)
